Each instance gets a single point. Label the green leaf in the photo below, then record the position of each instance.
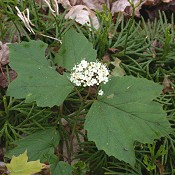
(75, 47)
(61, 168)
(124, 114)
(20, 165)
(40, 145)
(37, 80)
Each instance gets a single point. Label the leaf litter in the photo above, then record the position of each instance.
(4, 54)
(4, 60)
(123, 6)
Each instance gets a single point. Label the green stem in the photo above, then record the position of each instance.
(6, 106)
(130, 24)
(36, 12)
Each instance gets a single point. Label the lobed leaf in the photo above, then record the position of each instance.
(75, 47)
(125, 114)
(37, 80)
(40, 145)
(20, 165)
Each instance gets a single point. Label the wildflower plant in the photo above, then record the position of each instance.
(123, 111)
(119, 116)
(89, 74)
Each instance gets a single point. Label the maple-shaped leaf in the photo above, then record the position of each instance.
(75, 48)
(20, 166)
(40, 145)
(124, 114)
(37, 80)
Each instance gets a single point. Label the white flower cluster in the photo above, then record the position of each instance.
(89, 74)
(100, 92)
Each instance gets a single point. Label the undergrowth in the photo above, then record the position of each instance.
(146, 49)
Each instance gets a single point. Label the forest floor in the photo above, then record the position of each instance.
(117, 118)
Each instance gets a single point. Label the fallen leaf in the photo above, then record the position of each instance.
(74, 141)
(151, 2)
(167, 85)
(82, 15)
(4, 78)
(151, 7)
(154, 44)
(160, 167)
(106, 58)
(4, 54)
(3, 169)
(96, 4)
(91, 4)
(20, 166)
(65, 3)
(117, 71)
(167, 1)
(75, 2)
(113, 50)
(122, 5)
(119, 6)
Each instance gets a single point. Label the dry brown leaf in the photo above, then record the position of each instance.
(172, 2)
(151, 2)
(4, 54)
(72, 140)
(106, 58)
(82, 15)
(63, 122)
(75, 2)
(4, 80)
(91, 4)
(3, 169)
(113, 50)
(95, 4)
(167, 1)
(65, 3)
(119, 6)
(160, 167)
(154, 44)
(117, 71)
(167, 85)
(75, 147)
(123, 5)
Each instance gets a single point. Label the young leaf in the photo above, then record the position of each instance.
(126, 113)
(61, 168)
(36, 80)
(20, 166)
(75, 47)
(39, 145)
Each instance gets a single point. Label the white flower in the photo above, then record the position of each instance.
(89, 74)
(84, 63)
(100, 92)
